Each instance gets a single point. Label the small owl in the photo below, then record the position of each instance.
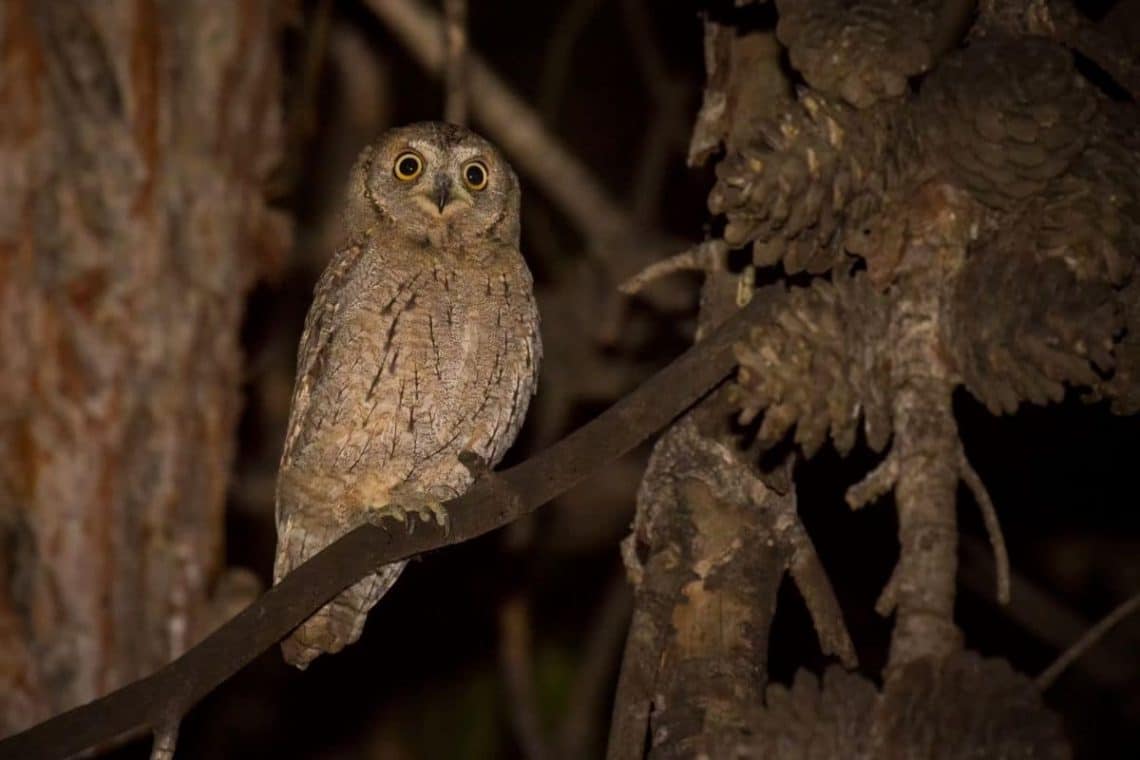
(421, 344)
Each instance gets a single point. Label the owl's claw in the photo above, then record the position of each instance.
(405, 505)
(436, 510)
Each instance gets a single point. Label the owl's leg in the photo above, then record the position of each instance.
(405, 502)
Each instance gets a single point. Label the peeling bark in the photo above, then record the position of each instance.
(696, 660)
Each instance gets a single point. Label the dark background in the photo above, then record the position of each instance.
(426, 680)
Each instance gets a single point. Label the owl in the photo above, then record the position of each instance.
(421, 345)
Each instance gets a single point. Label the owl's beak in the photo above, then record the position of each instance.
(441, 191)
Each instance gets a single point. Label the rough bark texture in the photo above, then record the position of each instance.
(994, 212)
(135, 139)
(698, 649)
(712, 542)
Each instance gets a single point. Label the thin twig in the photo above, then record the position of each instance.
(559, 58)
(993, 527)
(1064, 23)
(301, 119)
(699, 258)
(517, 659)
(1038, 611)
(592, 682)
(490, 504)
(815, 587)
(668, 123)
(889, 597)
(455, 66)
(1086, 642)
(876, 484)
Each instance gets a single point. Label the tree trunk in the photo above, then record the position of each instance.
(135, 140)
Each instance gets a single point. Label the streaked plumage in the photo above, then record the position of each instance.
(421, 343)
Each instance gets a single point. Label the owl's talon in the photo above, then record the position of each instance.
(405, 506)
(439, 513)
(376, 515)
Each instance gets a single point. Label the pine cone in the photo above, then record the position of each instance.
(1123, 386)
(1094, 213)
(1004, 117)
(863, 52)
(1024, 325)
(1090, 220)
(814, 721)
(793, 187)
(965, 707)
(816, 364)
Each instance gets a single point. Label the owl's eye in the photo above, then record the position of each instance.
(475, 175)
(408, 166)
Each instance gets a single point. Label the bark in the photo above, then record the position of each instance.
(135, 140)
(696, 660)
(712, 542)
(926, 446)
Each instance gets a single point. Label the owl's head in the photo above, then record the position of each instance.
(435, 181)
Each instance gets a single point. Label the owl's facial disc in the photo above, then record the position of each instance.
(438, 182)
(441, 198)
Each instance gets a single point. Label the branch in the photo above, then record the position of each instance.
(1066, 25)
(559, 59)
(993, 526)
(517, 659)
(815, 587)
(1037, 611)
(700, 258)
(491, 503)
(1086, 642)
(455, 68)
(592, 680)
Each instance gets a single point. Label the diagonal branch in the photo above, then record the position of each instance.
(491, 503)
(1086, 642)
(513, 124)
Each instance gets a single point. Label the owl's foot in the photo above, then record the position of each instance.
(406, 504)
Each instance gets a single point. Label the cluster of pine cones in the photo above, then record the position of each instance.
(1046, 297)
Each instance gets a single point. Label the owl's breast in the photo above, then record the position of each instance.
(444, 365)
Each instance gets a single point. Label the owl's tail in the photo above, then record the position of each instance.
(341, 621)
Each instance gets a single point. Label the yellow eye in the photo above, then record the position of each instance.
(475, 175)
(408, 166)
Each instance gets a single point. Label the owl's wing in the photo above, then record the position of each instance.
(532, 320)
(320, 326)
